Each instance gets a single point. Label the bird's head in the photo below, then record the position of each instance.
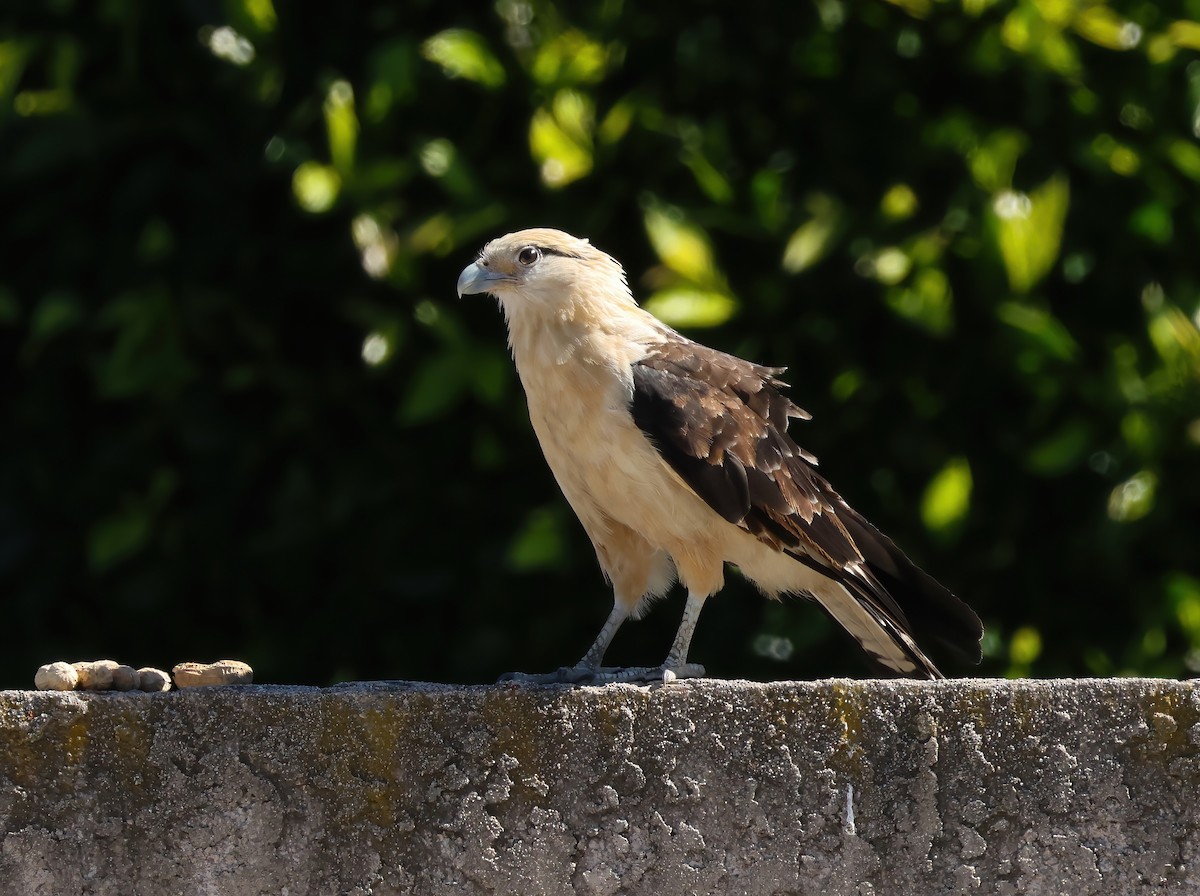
(543, 271)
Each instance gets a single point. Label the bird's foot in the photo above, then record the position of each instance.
(607, 675)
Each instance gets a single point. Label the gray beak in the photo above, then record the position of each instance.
(476, 279)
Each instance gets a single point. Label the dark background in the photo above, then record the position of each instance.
(244, 414)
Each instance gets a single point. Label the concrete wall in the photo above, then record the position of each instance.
(831, 787)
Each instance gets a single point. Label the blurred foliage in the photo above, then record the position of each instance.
(245, 416)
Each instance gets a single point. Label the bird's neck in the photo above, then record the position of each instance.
(606, 333)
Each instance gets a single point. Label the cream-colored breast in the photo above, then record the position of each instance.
(604, 464)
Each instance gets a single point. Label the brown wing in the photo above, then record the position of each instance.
(721, 424)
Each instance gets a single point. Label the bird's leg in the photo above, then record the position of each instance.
(587, 670)
(595, 655)
(676, 664)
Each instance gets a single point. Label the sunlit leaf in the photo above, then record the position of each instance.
(812, 240)
(685, 307)
(899, 202)
(376, 348)
(616, 123)
(1120, 157)
(261, 13)
(926, 301)
(1185, 34)
(560, 138)
(1183, 592)
(947, 498)
(993, 161)
(341, 124)
(1185, 156)
(316, 186)
(1025, 646)
(1029, 231)
(709, 179)
(464, 54)
(1105, 28)
(682, 247)
(226, 43)
(570, 58)
(888, 265)
(1037, 29)
(1044, 330)
(1133, 498)
(1176, 339)
(434, 235)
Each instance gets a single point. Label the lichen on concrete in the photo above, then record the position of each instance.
(832, 787)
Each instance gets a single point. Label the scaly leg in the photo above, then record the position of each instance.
(586, 670)
(589, 671)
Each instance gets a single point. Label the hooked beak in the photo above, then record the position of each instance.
(476, 279)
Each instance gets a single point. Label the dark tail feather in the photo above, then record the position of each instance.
(932, 611)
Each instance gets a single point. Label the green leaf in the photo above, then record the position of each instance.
(570, 58)
(812, 240)
(316, 186)
(464, 54)
(437, 385)
(560, 138)
(681, 246)
(1029, 231)
(1183, 594)
(1185, 156)
(1025, 646)
(1133, 498)
(899, 202)
(540, 543)
(993, 161)
(1044, 330)
(685, 307)
(947, 497)
(55, 313)
(1061, 451)
(926, 301)
(341, 124)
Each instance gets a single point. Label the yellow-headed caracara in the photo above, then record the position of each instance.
(677, 459)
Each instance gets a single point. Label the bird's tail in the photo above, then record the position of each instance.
(889, 604)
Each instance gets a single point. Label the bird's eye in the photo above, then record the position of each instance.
(529, 255)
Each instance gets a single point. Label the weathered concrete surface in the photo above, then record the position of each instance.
(834, 787)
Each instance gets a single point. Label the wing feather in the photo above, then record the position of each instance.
(721, 423)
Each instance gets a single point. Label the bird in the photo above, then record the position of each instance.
(677, 460)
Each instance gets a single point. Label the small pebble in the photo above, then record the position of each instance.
(96, 676)
(56, 677)
(153, 680)
(190, 675)
(124, 678)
